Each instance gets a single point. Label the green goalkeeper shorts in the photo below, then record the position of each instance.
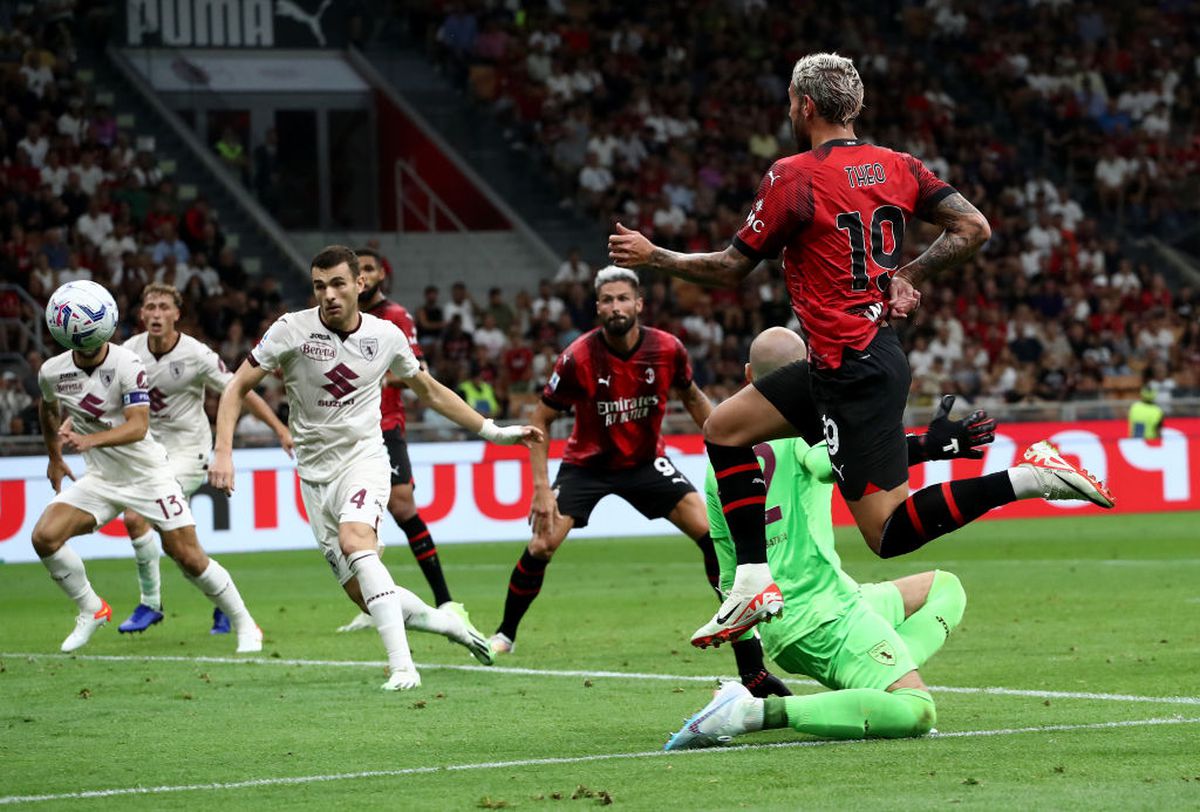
(859, 649)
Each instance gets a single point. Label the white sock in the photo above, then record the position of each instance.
(424, 618)
(1025, 482)
(66, 568)
(217, 584)
(383, 602)
(146, 553)
(755, 574)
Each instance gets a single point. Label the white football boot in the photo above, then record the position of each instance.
(402, 680)
(250, 640)
(502, 644)
(361, 621)
(753, 599)
(732, 712)
(1060, 480)
(86, 624)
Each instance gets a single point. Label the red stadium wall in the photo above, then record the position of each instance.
(470, 491)
(401, 138)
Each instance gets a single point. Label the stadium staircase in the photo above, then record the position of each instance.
(472, 130)
(181, 155)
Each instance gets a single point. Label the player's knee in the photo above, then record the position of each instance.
(135, 525)
(182, 546)
(46, 539)
(356, 536)
(544, 547)
(401, 505)
(924, 716)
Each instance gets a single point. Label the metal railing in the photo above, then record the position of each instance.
(32, 331)
(433, 212)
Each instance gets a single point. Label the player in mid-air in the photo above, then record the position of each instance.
(180, 369)
(618, 378)
(106, 394)
(865, 641)
(333, 359)
(400, 500)
(838, 213)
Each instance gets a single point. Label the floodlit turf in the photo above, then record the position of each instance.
(1102, 604)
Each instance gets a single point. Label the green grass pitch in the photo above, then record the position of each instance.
(1057, 609)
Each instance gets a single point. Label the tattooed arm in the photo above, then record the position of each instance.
(724, 269)
(966, 230)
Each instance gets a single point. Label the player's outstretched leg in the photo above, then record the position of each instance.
(939, 509)
(856, 713)
(449, 620)
(426, 554)
(57, 524)
(146, 556)
(207, 575)
(524, 585)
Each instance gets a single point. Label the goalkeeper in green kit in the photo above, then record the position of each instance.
(865, 641)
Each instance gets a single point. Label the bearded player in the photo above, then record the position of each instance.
(838, 214)
(180, 370)
(400, 500)
(617, 378)
(333, 359)
(865, 641)
(106, 394)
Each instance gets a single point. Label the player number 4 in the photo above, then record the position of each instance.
(852, 223)
(359, 499)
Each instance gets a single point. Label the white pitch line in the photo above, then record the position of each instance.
(539, 672)
(544, 762)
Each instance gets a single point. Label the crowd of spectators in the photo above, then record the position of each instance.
(1070, 125)
(82, 197)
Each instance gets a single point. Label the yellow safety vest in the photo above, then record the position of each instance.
(1145, 420)
(480, 398)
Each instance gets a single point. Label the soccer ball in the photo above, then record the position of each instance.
(81, 315)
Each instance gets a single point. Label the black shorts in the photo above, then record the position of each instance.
(861, 404)
(789, 389)
(397, 448)
(654, 489)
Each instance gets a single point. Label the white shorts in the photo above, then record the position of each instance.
(190, 468)
(358, 494)
(160, 500)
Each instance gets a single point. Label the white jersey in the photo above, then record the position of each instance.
(96, 400)
(178, 379)
(333, 383)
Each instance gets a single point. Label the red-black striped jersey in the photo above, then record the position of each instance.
(391, 405)
(619, 399)
(838, 214)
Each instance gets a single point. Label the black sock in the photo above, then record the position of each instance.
(753, 672)
(712, 567)
(743, 493)
(939, 509)
(523, 586)
(425, 551)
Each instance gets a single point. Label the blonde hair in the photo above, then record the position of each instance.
(833, 83)
(159, 289)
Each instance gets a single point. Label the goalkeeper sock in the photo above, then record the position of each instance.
(925, 630)
(743, 493)
(712, 567)
(934, 511)
(146, 554)
(523, 586)
(385, 606)
(856, 713)
(425, 551)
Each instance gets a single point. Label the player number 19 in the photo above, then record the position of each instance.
(852, 223)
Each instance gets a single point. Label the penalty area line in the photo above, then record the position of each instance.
(255, 783)
(583, 673)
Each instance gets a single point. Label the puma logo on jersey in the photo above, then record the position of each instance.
(603, 381)
(772, 176)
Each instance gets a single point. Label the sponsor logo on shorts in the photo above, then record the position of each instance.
(318, 350)
(882, 653)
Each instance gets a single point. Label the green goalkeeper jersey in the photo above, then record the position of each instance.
(800, 548)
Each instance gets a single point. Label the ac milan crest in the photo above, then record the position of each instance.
(369, 347)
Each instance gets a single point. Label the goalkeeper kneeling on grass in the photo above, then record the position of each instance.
(865, 641)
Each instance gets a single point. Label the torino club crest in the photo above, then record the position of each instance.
(369, 347)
